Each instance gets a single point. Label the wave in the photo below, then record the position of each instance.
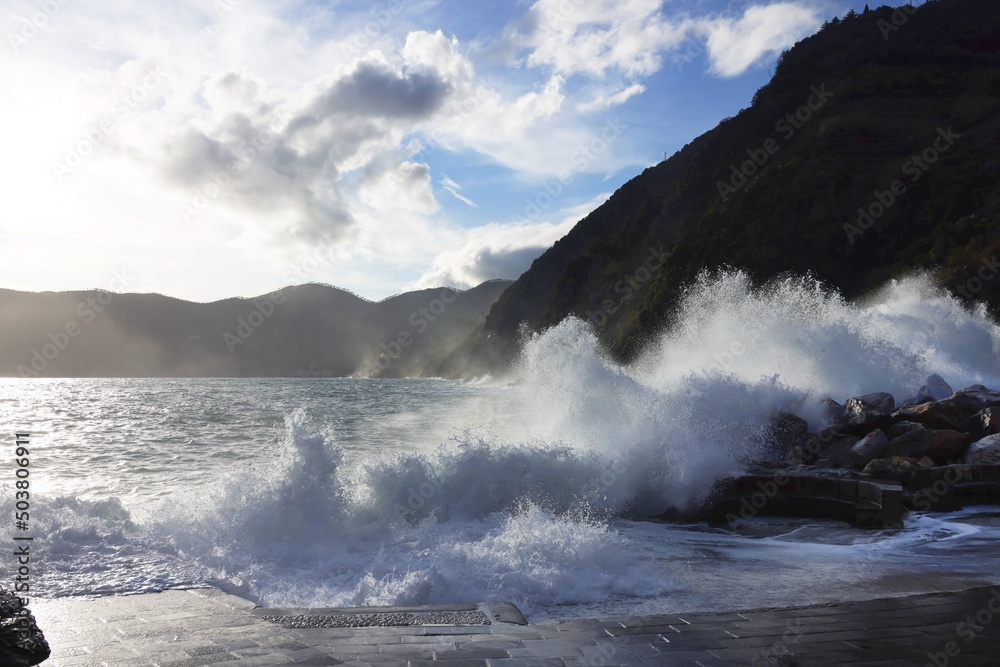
(521, 501)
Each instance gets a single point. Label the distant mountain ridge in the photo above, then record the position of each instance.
(308, 330)
(873, 151)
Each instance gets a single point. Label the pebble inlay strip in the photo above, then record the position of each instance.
(387, 620)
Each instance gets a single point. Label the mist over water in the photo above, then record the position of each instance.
(353, 492)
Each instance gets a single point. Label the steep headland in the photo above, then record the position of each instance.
(871, 153)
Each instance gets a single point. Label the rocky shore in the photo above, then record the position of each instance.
(877, 459)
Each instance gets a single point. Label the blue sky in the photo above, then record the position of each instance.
(229, 148)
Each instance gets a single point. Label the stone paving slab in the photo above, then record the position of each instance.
(192, 628)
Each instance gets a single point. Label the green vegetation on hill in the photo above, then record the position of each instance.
(873, 152)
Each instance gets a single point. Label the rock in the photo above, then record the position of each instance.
(787, 432)
(983, 451)
(836, 453)
(869, 412)
(983, 423)
(830, 448)
(21, 642)
(934, 415)
(935, 389)
(979, 396)
(897, 468)
(941, 445)
(899, 428)
(872, 446)
(832, 411)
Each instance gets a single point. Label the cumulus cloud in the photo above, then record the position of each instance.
(600, 38)
(500, 251)
(736, 44)
(593, 37)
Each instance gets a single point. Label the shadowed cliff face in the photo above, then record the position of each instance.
(872, 153)
(297, 331)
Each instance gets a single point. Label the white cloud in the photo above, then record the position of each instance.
(593, 37)
(454, 188)
(606, 101)
(762, 31)
(499, 250)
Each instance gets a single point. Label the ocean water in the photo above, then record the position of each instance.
(531, 489)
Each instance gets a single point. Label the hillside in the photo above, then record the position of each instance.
(872, 152)
(309, 330)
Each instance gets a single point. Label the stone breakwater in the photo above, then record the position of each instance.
(937, 451)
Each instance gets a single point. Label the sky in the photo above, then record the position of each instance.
(223, 148)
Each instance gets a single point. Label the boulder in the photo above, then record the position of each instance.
(897, 468)
(869, 412)
(983, 423)
(977, 395)
(934, 415)
(830, 448)
(899, 428)
(832, 411)
(941, 445)
(983, 451)
(935, 389)
(872, 446)
(21, 642)
(787, 432)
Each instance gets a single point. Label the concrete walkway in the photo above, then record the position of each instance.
(207, 627)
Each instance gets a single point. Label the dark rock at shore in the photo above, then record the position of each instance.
(833, 411)
(870, 435)
(983, 423)
(986, 450)
(899, 428)
(21, 642)
(896, 468)
(940, 445)
(787, 432)
(869, 412)
(872, 446)
(934, 415)
(935, 390)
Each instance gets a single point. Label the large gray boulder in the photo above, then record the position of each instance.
(872, 446)
(935, 390)
(983, 451)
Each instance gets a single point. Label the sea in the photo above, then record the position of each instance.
(534, 487)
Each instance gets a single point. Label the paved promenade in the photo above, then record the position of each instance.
(207, 627)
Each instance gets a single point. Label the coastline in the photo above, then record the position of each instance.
(192, 627)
